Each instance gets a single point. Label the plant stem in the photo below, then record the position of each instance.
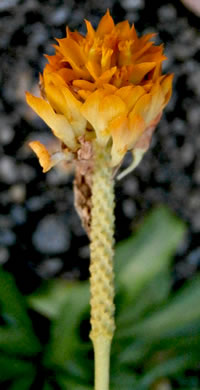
(101, 267)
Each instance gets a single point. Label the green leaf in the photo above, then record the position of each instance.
(12, 304)
(165, 369)
(130, 312)
(65, 333)
(183, 310)
(68, 383)
(17, 334)
(49, 299)
(48, 386)
(18, 341)
(23, 383)
(148, 252)
(11, 368)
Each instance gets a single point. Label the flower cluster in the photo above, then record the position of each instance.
(106, 86)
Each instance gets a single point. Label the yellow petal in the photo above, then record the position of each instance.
(73, 112)
(125, 134)
(99, 109)
(149, 106)
(130, 95)
(106, 25)
(142, 107)
(58, 123)
(55, 98)
(90, 110)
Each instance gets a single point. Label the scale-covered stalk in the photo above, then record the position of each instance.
(101, 268)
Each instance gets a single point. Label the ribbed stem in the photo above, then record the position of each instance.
(101, 267)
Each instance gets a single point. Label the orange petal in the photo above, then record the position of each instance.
(67, 74)
(42, 154)
(153, 53)
(105, 77)
(46, 160)
(84, 94)
(157, 102)
(140, 71)
(75, 35)
(136, 56)
(83, 84)
(58, 123)
(90, 31)
(109, 88)
(106, 58)
(73, 54)
(124, 30)
(106, 25)
(94, 69)
(166, 86)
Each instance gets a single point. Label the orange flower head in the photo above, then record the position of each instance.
(106, 86)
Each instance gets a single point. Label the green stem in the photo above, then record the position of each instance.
(101, 268)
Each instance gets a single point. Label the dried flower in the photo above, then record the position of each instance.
(106, 86)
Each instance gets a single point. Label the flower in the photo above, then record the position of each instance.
(106, 86)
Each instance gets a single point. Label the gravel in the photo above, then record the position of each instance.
(51, 236)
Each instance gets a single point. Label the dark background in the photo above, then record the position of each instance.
(40, 233)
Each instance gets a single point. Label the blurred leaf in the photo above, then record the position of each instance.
(47, 386)
(49, 299)
(12, 304)
(18, 341)
(165, 369)
(16, 335)
(151, 296)
(72, 384)
(23, 383)
(141, 257)
(11, 368)
(65, 336)
(122, 379)
(183, 309)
